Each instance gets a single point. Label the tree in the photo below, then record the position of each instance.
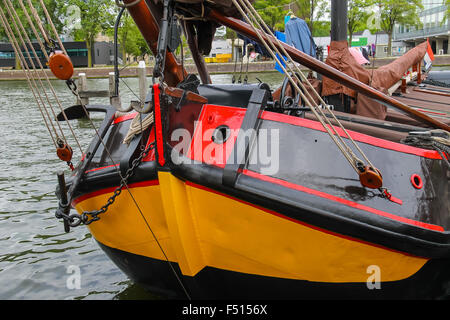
(273, 12)
(392, 12)
(231, 35)
(447, 14)
(357, 17)
(312, 11)
(130, 38)
(127, 37)
(95, 16)
(56, 10)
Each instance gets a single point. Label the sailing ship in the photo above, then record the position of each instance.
(246, 191)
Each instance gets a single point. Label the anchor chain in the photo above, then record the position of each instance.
(88, 217)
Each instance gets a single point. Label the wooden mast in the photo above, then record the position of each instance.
(324, 69)
(147, 21)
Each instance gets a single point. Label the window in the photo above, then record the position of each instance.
(7, 55)
(77, 52)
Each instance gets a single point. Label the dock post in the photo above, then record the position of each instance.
(82, 86)
(142, 73)
(114, 98)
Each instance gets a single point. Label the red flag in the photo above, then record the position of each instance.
(430, 51)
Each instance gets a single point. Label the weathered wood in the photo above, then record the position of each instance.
(82, 86)
(94, 94)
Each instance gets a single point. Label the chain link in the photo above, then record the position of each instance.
(88, 217)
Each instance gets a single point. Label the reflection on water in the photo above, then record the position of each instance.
(36, 254)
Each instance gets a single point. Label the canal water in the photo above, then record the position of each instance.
(37, 258)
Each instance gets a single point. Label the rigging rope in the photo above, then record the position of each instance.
(20, 29)
(252, 15)
(304, 79)
(30, 23)
(15, 18)
(30, 79)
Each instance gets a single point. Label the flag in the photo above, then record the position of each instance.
(429, 57)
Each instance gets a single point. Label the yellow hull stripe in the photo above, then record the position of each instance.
(197, 228)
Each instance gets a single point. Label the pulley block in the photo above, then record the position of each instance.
(371, 178)
(61, 65)
(64, 152)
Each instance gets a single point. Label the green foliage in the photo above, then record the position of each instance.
(313, 11)
(54, 8)
(96, 16)
(273, 12)
(392, 12)
(447, 13)
(357, 16)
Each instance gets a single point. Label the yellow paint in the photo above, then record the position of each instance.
(200, 228)
(182, 228)
(123, 227)
(240, 237)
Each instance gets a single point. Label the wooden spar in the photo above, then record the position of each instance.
(198, 58)
(324, 69)
(148, 25)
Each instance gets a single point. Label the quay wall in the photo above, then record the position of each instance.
(213, 68)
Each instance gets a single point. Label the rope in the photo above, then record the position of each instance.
(30, 79)
(49, 19)
(294, 83)
(436, 83)
(438, 140)
(347, 152)
(137, 126)
(52, 89)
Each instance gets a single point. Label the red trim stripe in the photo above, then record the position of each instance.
(342, 201)
(158, 126)
(101, 168)
(111, 190)
(432, 112)
(125, 117)
(315, 125)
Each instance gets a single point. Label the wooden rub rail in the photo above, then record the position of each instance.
(324, 69)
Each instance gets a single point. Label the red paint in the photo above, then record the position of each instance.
(129, 116)
(151, 156)
(432, 112)
(158, 126)
(202, 148)
(101, 168)
(342, 201)
(294, 220)
(111, 190)
(416, 181)
(390, 197)
(381, 143)
(213, 116)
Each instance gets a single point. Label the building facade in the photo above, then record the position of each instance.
(102, 54)
(435, 27)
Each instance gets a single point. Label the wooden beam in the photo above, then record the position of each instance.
(326, 70)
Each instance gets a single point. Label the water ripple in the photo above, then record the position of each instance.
(36, 254)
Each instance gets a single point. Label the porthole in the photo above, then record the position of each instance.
(221, 134)
(416, 181)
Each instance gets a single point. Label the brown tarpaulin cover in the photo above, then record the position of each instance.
(381, 79)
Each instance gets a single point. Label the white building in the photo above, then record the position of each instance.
(434, 27)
